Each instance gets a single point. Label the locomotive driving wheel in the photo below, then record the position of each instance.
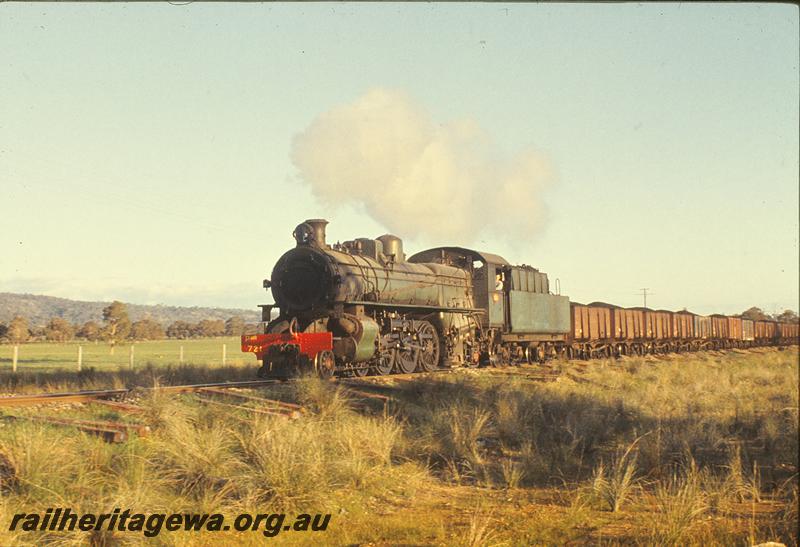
(429, 351)
(383, 364)
(406, 356)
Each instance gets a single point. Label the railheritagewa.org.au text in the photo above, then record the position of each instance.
(61, 519)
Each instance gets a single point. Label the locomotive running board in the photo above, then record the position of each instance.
(414, 307)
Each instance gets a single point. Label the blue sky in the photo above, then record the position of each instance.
(145, 149)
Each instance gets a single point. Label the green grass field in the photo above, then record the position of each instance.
(47, 357)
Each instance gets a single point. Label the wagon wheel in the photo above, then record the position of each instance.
(535, 354)
(383, 364)
(502, 357)
(325, 364)
(359, 370)
(520, 355)
(431, 350)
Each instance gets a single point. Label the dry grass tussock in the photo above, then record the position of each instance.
(205, 460)
(689, 437)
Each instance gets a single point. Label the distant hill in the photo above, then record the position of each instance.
(40, 309)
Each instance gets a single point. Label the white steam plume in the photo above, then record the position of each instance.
(442, 182)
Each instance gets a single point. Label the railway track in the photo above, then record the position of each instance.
(387, 385)
(99, 395)
(106, 396)
(394, 377)
(214, 394)
(362, 390)
(385, 382)
(542, 373)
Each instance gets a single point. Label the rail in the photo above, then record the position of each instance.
(95, 395)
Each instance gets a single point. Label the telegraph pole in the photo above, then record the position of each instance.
(644, 295)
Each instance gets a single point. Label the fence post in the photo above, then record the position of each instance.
(14, 358)
(224, 351)
(180, 359)
(80, 357)
(131, 357)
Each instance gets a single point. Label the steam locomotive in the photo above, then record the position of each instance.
(361, 307)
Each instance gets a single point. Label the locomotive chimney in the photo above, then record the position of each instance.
(318, 231)
(311, 233)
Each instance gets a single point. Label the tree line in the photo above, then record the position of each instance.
(757, 314)
(116, 326)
